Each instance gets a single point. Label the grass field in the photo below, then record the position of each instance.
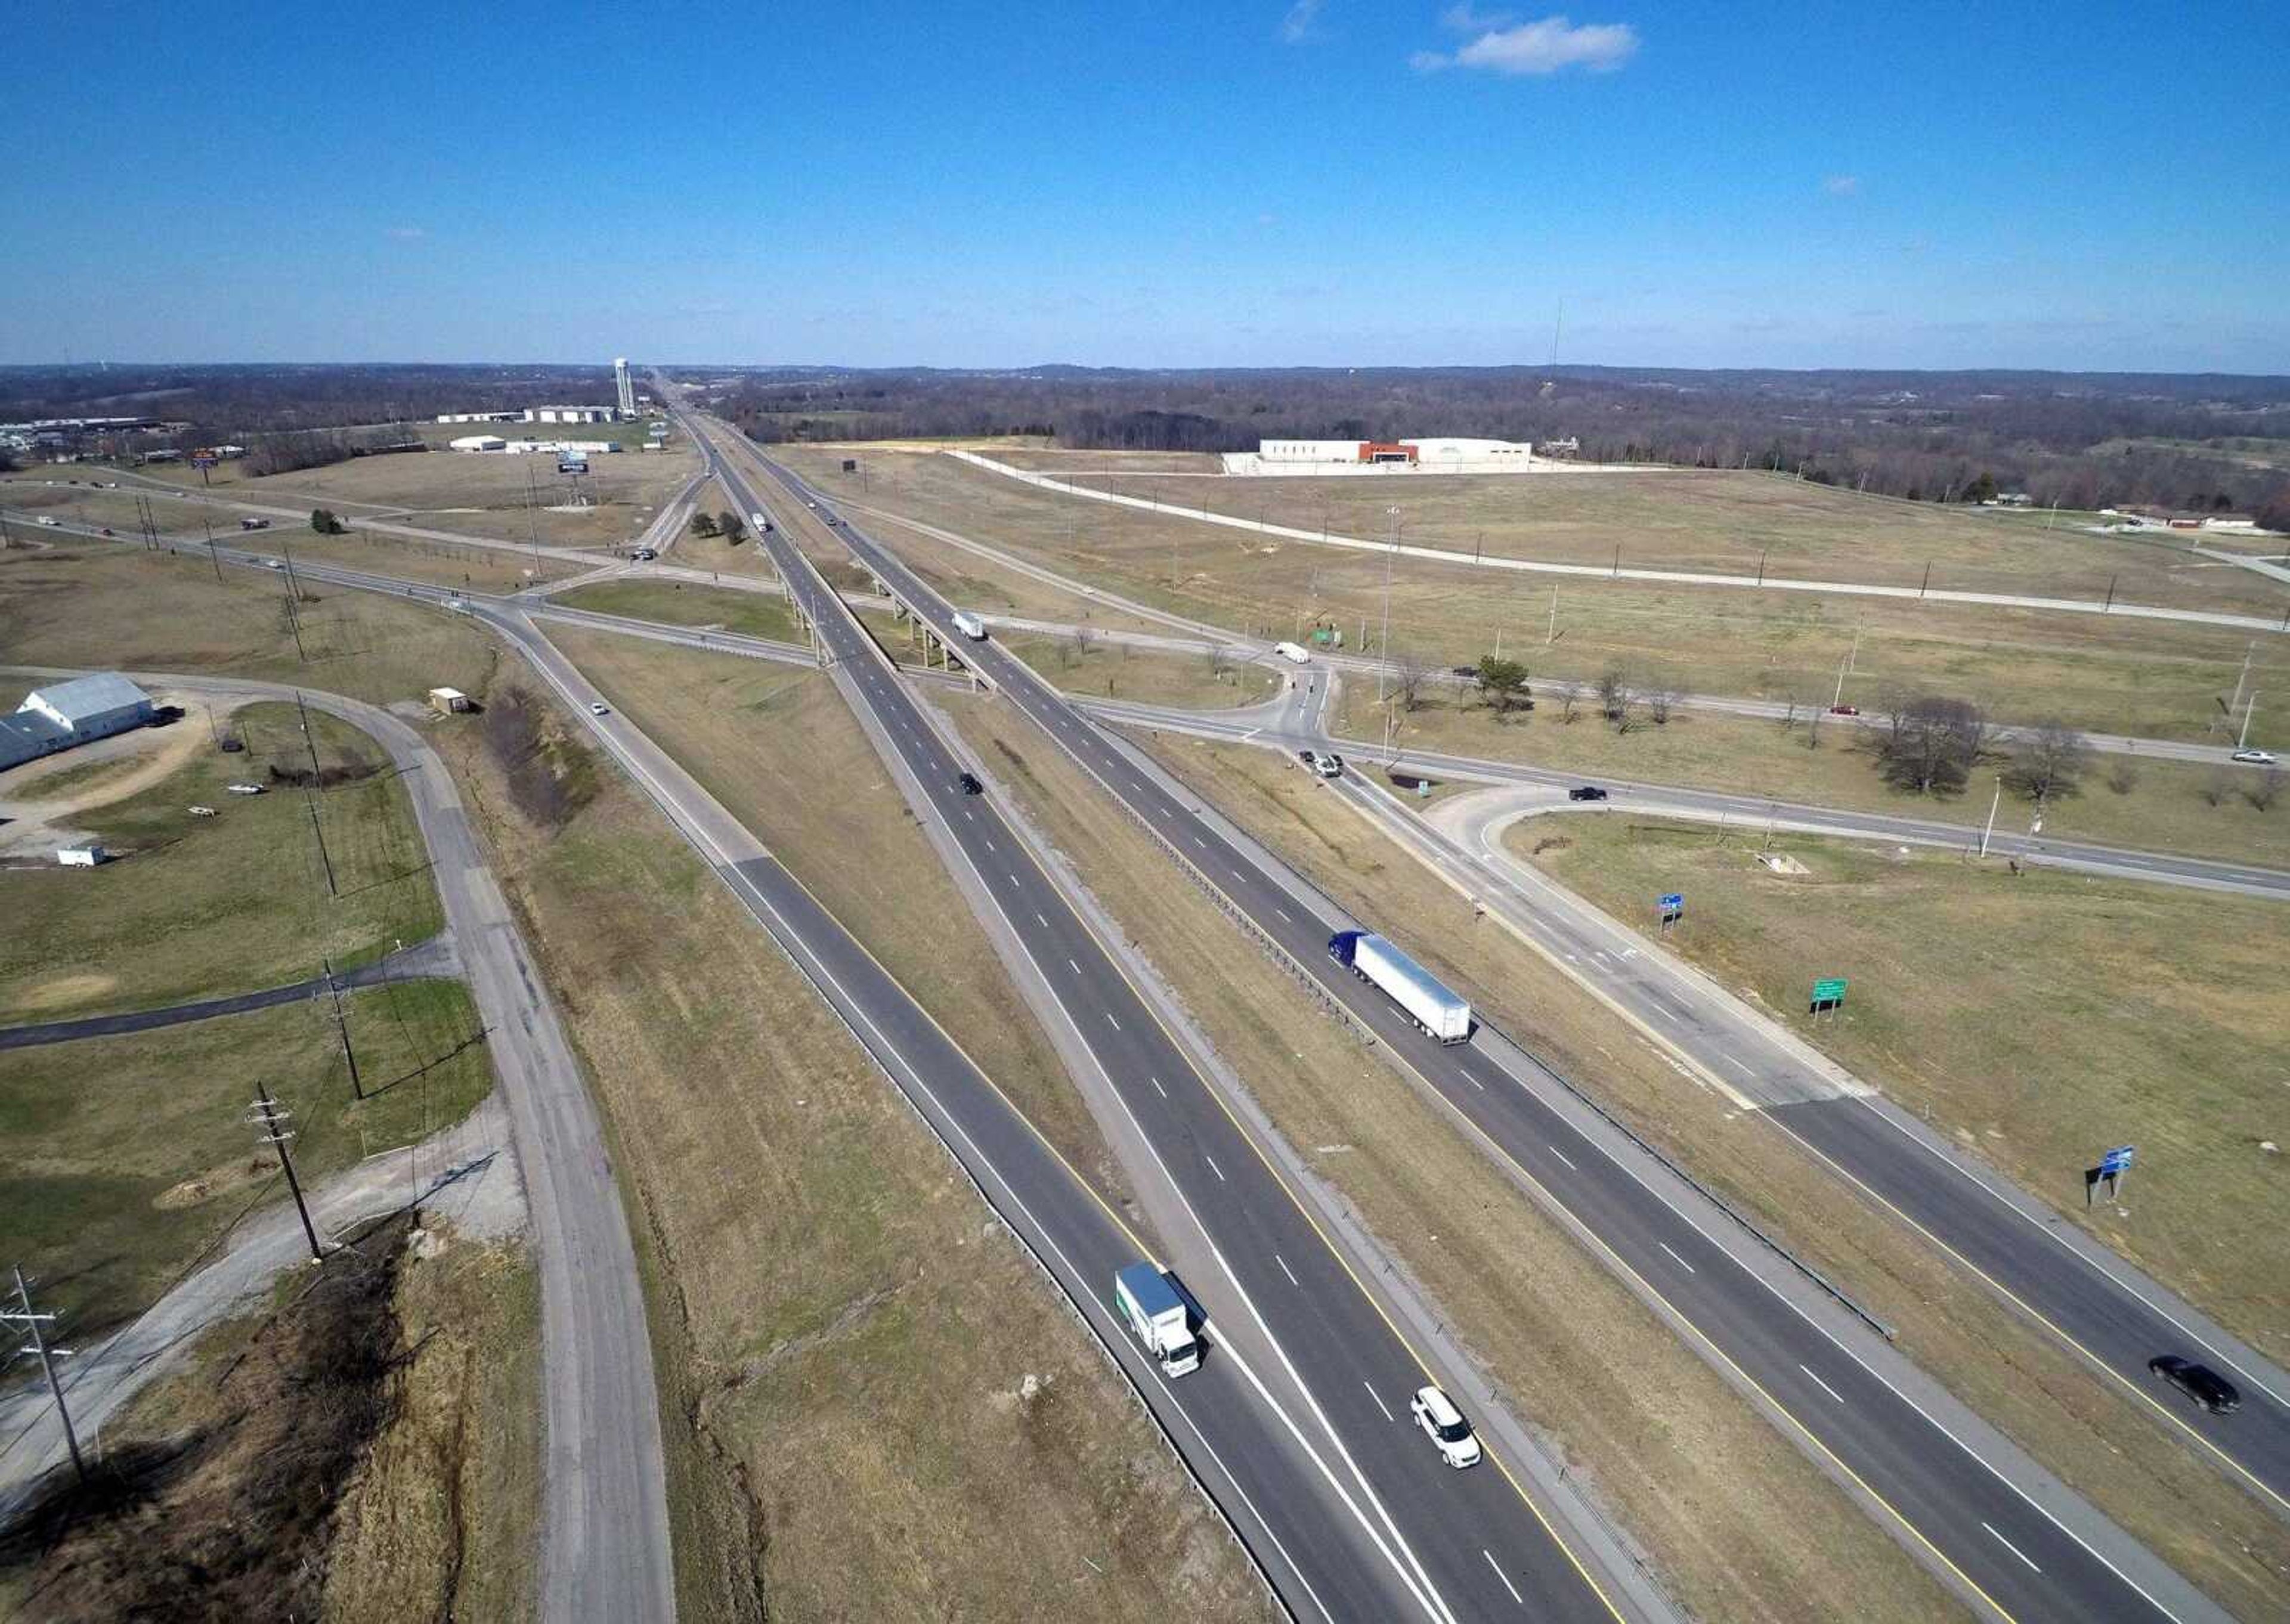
(2113, 1449)
(750, 614)
(2035, 1016)
(1672, 1467)
(440, 564)
(1724, 522)
(509, 498)
(2146, 677)
(128, 1157)
(150, 612)
(842, 1335)
(2164, 808)
(1115, 671)
(777, 746)
(205, 906)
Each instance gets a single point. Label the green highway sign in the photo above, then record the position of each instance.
(1827, 993)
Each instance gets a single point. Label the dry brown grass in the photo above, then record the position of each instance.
(2165, 809)
(441, 1518)
(2144, 677)
(2107, 1445)
(777, 746)
(1673, 1467)
(2033, 1015)
(841, 1333)
(1723, 521)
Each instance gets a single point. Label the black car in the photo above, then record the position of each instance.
(1307, 757)
(1587, 792)
(1338, 761)
(2199, 1382)
(970, 785)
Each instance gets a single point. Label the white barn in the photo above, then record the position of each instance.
(77, 712)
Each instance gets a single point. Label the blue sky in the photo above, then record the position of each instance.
(1350, 182)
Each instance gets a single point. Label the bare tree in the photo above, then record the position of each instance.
(2266, 791)
(1788, 712)
(1932, 744)
(1613, 693)
(2123, 775)
(2216, 787)
(1568, 692)
(1410, 671)
(2048, 763)
(1219, 660)
(1661, 698)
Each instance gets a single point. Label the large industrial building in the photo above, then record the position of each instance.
(77, 712)
(1445, 455)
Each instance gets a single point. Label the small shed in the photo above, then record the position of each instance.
(81, 857)
(449, 701)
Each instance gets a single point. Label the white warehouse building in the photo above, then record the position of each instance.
(1444, 454)
(77, 712)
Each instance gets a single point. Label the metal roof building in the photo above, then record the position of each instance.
(77, 712)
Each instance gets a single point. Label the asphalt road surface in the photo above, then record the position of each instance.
(1995, 1525)
(604, 1532)
(1464, 1544)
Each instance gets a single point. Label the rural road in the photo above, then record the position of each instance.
(433, 957)
(1996, 1527)
(2275, 624)
(605, 1535)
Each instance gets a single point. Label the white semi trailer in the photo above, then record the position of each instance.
(969, 625)
(1423, 996)
(1157, 1317)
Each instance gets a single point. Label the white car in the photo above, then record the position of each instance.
(1444, 1426)
(246, 788)
(2256, 758)
(50, 523)
(1327, 765)
(274, 563)
(599, 709)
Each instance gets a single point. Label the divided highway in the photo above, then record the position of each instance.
(1990, 1522)
(1466, 1544)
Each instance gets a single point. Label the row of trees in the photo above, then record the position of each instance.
(726, 524)
(2083, 441)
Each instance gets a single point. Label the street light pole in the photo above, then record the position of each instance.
(1992, 805)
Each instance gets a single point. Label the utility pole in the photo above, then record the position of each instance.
(1383, 657)
(293, 586)
(22, 1315)
(1841, 668)
(1553, 637)
(214, 558)
(2236, 703)
(1853, 659)
(343, 1029)
(1992, 805)
(2243, 741)
(269, 1117)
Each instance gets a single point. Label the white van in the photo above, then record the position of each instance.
(1295, 653)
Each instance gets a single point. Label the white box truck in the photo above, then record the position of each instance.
(969, 625)
(1295, 653)
(1157, 1317)
(1421, 995)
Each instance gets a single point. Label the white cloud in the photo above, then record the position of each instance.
(408, 233)
(1296, 27)
(1842, 186)
(1538, 48)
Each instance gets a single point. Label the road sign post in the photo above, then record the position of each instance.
(2112, 1166)
(1672, 907)
(1828, 995)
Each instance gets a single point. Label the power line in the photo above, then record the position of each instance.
(22, 1315)
(342, 1028)
(269, 1117)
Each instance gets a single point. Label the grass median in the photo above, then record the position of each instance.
(2105, 1443)
(845, 1339)
(1661, 1439)
(750, 614)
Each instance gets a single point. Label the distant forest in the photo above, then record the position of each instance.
(2206, 442)
(2196, 443)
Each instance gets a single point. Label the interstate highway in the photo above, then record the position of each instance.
(2019, 1558)
(1479, 1544)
